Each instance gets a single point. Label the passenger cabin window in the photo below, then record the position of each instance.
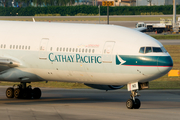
(83, 50)
(10, 46)
(4, 46)
(86, 50)
(29, 47)
(57, 48)
(66, 49)
(73, 49)
(93, 51)
(60, 48)
(79, 49)
(16, 46)
(23, 47)
(20, 47)
(76, 49)
(69, 49)
(89, 50)
(51, 49)
(13, 46)
(63, 49)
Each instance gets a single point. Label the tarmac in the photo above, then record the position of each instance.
(170, 42)
(91, 104)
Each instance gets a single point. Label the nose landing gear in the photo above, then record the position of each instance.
(133, 103)
(23, 92)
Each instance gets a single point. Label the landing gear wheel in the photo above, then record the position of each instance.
(130, 104)
(36, 93)
(23, 92)
(137, 104)
(27, 93)
(10, 92)
(17, 93)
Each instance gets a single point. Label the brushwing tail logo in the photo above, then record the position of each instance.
(119, 60)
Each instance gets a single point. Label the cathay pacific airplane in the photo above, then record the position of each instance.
(105, 57)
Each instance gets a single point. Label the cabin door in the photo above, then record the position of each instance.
(107, 52)
(43, 48)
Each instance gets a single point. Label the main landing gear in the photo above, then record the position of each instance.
(23, 92)
(133, 103)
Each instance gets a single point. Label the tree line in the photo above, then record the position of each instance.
(36, 3)
(73, 10)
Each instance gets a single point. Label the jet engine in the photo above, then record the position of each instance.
(105, 87)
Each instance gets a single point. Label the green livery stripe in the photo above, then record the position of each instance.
(153, 61)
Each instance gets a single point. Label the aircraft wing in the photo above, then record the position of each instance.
(141, 29)
(7, 63)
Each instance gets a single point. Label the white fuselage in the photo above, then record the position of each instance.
(93, 54)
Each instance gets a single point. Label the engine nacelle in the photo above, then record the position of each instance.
(105, 87)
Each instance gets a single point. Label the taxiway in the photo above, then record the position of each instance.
(91, 104)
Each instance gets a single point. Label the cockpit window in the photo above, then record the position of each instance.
(148, 49)
(157, 49)
(152, 49)
(163, 49)
(141, 50)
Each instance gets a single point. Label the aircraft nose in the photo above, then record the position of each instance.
(165, 64)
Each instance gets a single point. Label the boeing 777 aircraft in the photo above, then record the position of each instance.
(105, 57)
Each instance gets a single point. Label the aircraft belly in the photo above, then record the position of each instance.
(18, 75)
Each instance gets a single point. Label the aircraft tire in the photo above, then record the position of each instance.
(27, 93)
(17, 93)
(10, 92)
(130, 104)
(137, 104)
(36, 93)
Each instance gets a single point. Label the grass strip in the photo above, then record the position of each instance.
(152, 85)
(96, 18)
(164, 85)
(50, 84)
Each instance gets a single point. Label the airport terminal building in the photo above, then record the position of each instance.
(144, 2)
(137, 2)
(99, 2)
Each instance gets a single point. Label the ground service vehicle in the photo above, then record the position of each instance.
(165, 25)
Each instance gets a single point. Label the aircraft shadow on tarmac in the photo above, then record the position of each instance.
(95, 96)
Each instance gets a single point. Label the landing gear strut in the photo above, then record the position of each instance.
(23, 92)
(133, 102)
